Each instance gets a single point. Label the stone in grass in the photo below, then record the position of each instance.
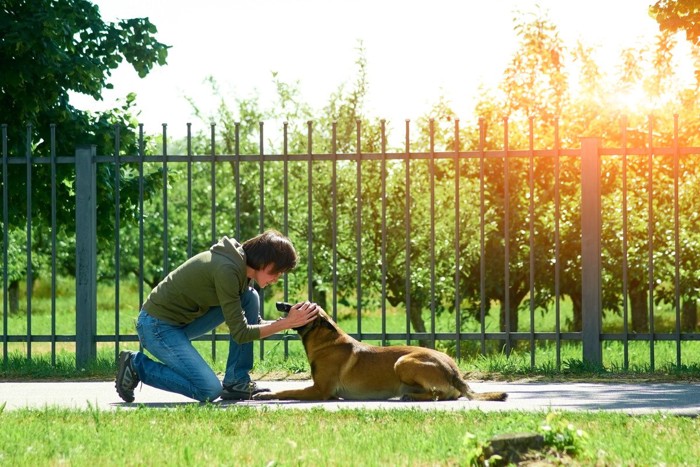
(512, 446)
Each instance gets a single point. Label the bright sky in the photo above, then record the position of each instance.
(416, 50)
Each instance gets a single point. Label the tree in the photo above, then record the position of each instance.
(678, 15)
(533, 93)
(48, 48)
(536, 85)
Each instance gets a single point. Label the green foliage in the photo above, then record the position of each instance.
(553, 94)
(475, 451)
(678, 15)
(562, 436)
(49, 48)
(53, 47)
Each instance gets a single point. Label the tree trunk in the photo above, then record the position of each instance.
(577, 306)
(13, 292)
(689, 315)
(513, 314)
(418, 323)
(396, 285)
(513, 319)
(640, 309)
(319, 295)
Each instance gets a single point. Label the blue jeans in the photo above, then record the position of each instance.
(181, 368)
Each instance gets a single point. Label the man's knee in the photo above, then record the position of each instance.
(208, 391)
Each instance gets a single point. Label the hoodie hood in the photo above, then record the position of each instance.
(229, 248)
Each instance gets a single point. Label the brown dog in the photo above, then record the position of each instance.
(342, 367)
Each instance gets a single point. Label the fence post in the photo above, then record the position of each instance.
(85, 255)
(590, 251)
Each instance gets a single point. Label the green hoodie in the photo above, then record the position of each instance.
(216, 277)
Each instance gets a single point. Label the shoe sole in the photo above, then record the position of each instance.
(123, 362)
(241, 395)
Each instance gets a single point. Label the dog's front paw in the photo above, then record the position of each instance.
(264, 396)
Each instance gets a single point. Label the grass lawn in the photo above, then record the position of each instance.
(207, 435)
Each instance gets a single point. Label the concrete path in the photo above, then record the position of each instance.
(637, 398)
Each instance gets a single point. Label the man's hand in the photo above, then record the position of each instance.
(301, 314)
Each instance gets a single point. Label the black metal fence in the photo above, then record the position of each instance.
(470, 246)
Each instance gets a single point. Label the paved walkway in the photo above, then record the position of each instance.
(636, 398)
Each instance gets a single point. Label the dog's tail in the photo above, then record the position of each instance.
(486, 396)
(478, 396)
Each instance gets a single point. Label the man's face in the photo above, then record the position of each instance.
(265, 277)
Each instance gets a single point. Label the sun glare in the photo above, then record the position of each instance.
(633, 101)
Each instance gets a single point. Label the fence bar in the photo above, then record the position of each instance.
(531, 222)
(383, 175)
(285, 215)
(53, 244)
(506, 237)
(85, 255)
(166, 249)
(214, 237)
(189, 190)
(310, 211)
(482, 234)
(650, 238)
(334, 221)
(407, 226)
(625, 264)
(142, 146)
(677, 244)
(212, 181)
(557, 239)
(30, 269)
(237, 176)
(5, 241)
(117, 245)
(431, 166)
(458, 311)
(358, 225)
(285, 184)
(590, 250)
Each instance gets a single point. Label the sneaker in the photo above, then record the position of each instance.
(241, 391)
(127, 378)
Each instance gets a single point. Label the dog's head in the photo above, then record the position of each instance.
(322, 321)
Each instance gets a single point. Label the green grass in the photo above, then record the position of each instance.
(231, 435)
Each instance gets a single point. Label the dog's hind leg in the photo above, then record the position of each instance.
(424, 381)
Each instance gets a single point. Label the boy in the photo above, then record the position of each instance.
(208, 289)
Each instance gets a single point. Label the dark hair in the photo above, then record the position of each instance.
(270, 247)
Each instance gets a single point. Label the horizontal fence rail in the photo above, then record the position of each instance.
(475, 250)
